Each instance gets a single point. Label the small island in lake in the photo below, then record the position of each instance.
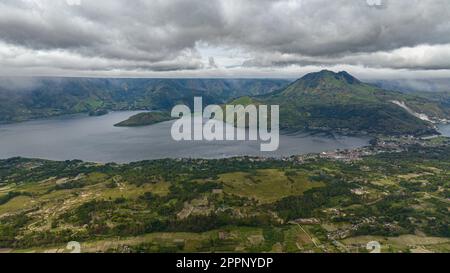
(144, 119)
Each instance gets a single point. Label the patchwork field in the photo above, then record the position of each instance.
(267, 186)
(400, 200)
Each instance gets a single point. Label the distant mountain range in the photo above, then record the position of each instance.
(415, 85)
(338, 102)
(323, 102)
(437, 90)
(25, 99)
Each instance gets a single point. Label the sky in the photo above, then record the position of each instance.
(372, 39)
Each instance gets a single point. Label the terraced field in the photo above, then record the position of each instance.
(401, 200)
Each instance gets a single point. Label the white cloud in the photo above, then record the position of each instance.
(110, 37)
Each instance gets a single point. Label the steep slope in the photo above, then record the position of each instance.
(55, 96)
(338, 102)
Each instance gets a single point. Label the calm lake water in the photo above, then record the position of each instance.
(96, 139)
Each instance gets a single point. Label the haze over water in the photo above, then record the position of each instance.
(96, 139)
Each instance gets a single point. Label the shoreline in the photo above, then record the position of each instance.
(390, 145)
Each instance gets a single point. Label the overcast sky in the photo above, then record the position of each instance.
(224, 38)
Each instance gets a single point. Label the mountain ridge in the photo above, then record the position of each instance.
(338, 102)
(47, 97)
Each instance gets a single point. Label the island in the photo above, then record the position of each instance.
(145, 119)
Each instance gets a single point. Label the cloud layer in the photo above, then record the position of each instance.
(222, 37)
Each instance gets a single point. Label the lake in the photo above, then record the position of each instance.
(95, 139)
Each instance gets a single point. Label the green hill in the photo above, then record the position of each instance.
(338, 102)
(144, 119)
(47, 97)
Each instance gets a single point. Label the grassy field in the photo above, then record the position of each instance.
(267, 186)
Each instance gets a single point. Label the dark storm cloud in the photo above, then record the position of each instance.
(163, 35)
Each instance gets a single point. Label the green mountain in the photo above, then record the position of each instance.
(337, 102)
(436, 90)
(47, 97)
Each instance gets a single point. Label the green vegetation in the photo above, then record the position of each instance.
(395, 192)
(339, 103)
(267, 186)
(400, 199)
(144, 119)
(59, 96)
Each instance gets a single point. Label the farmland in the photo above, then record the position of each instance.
(313, 204)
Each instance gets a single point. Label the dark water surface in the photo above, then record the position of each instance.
(96, 139)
